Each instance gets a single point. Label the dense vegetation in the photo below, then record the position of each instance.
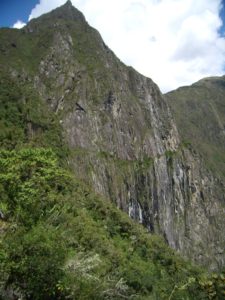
(61, 241)
(25, 119)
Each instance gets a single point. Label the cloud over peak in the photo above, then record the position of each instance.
(175, 42)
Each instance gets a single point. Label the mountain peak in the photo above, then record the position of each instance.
(68, 11)
(65, 12)
(69, 3)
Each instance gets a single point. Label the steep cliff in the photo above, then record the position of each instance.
(121, 136)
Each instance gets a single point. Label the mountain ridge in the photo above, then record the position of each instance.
(203, 104)
(119, 130)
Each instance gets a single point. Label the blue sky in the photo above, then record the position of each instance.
(13, 10)
(222, 15)
(174, 42)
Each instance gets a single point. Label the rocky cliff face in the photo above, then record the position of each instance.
(122, 138)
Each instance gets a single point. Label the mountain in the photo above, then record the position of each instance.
(110, 127)
(199, 111)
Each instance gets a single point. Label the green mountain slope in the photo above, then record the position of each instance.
(118, 128)
(199, 111)
(71, 112)
(61, 241)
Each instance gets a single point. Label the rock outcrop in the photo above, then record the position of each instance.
(122, 137)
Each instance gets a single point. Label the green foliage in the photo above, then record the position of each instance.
(199, 112)
(31, 184)
(214, 286)
(35, 259)
(17, 49)
(25, 119)
(169, 157)
(61, 241)
(32, 189)
(11, 120)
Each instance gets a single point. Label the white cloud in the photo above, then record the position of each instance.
(175, 42)
(44, 6)
(19, 24)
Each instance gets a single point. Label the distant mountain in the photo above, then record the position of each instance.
(199, 111)
(70, 108)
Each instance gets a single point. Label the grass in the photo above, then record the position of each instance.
(199, 111)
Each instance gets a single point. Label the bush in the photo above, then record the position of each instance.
(34, 262)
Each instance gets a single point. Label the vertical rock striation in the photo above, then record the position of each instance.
(123, 139)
